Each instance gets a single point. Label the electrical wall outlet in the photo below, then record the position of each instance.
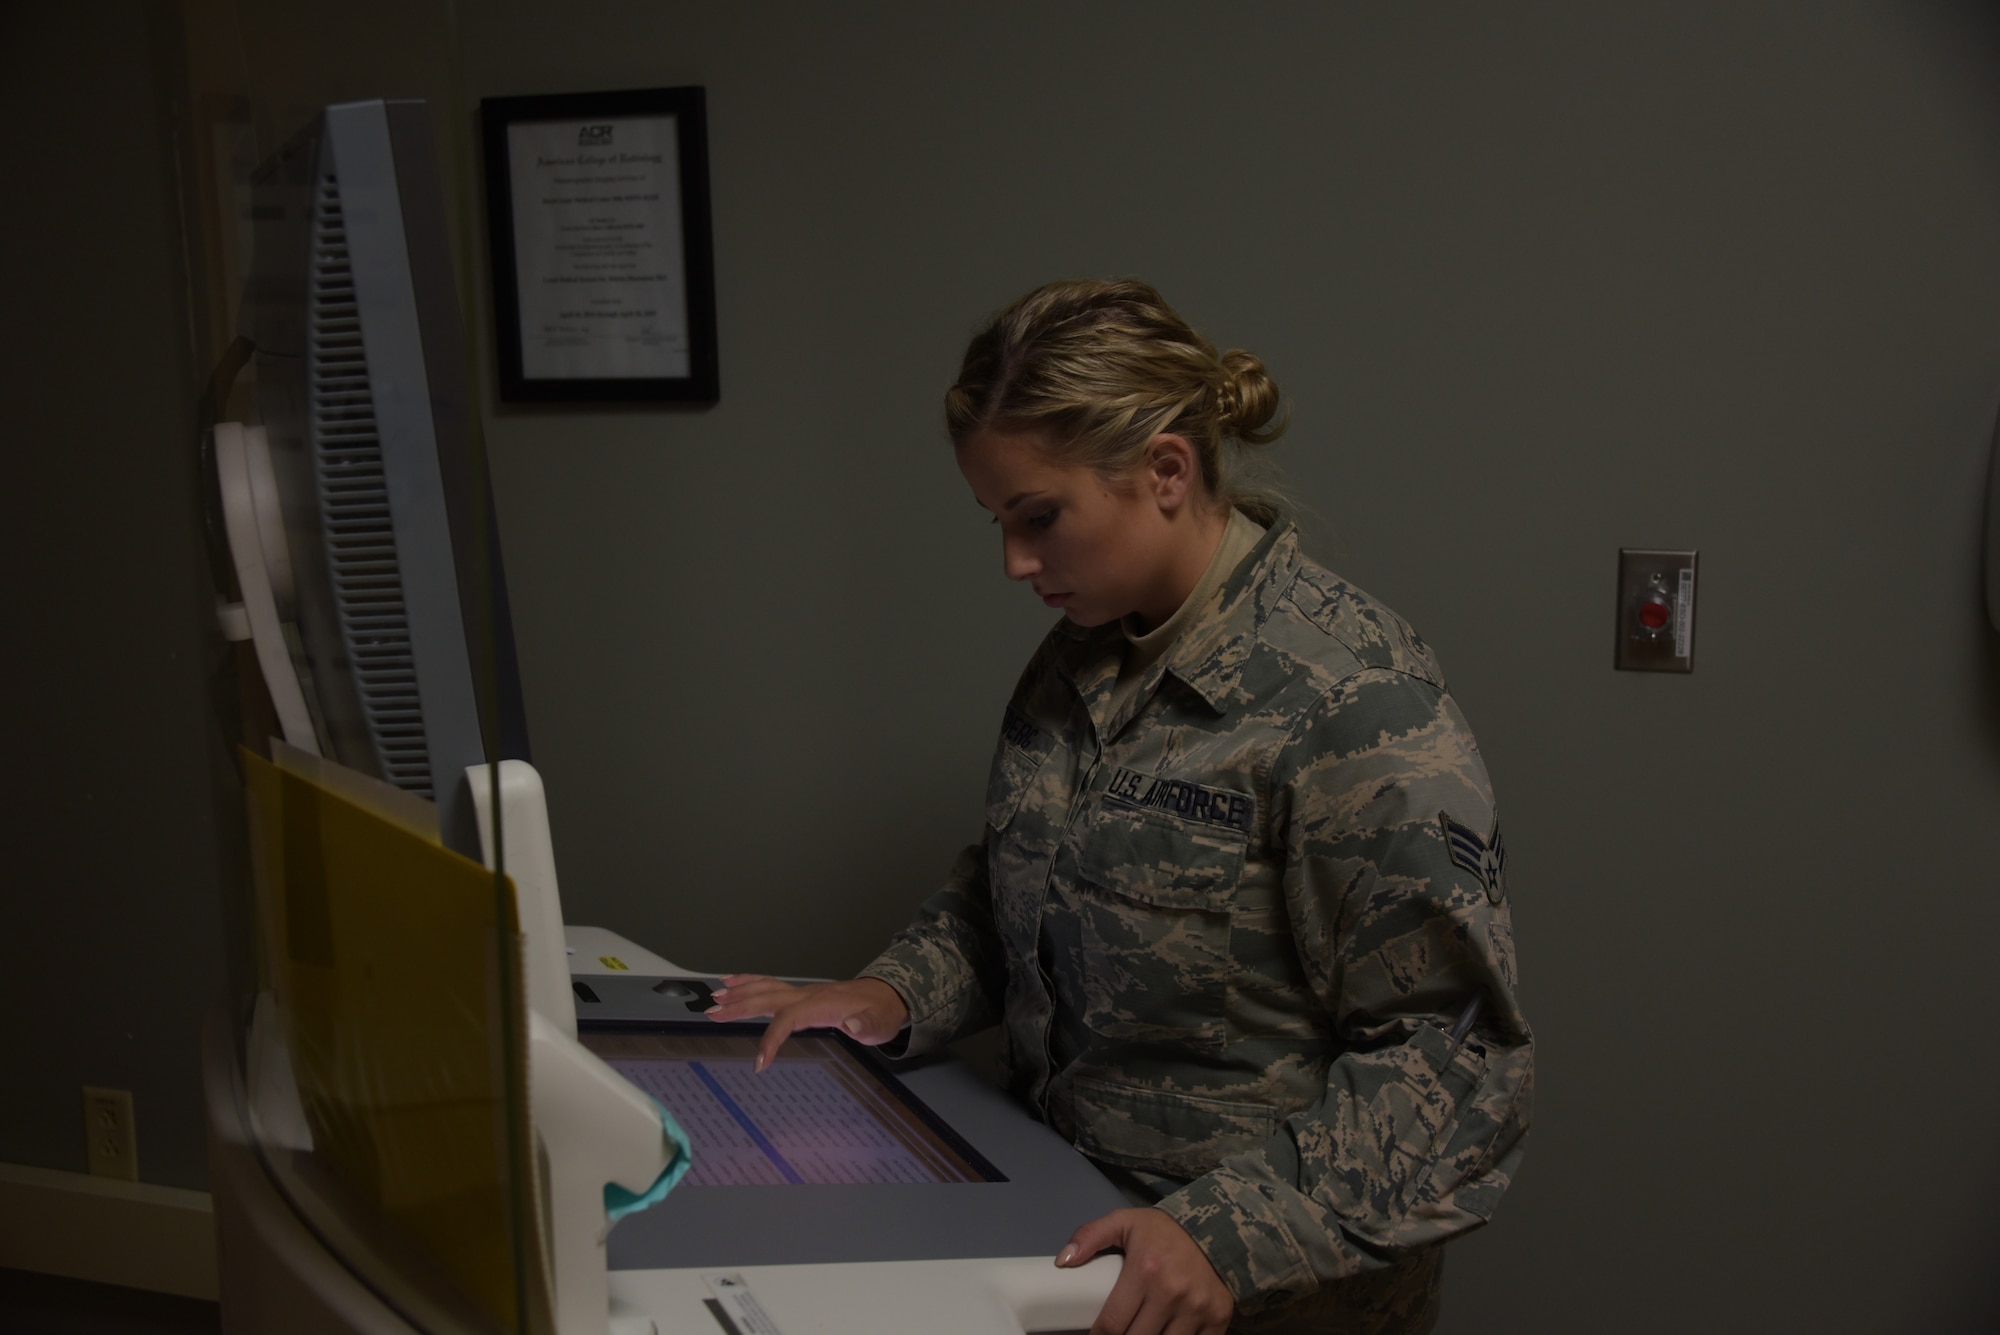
(111, 1141)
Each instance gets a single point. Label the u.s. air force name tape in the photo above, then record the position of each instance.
(1192, 801)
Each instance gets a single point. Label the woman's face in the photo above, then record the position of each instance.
(1096, 549)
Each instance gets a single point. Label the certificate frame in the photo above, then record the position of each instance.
(593, 371)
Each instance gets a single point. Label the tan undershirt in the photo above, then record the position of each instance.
(1144, 650)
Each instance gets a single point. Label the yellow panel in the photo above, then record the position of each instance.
(396, 965)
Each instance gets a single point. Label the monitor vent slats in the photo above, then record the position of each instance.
(354, 508)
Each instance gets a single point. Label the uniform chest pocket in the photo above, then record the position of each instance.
(1154, 901)
(1023, 749)
(1014, 770)
(1021, 831)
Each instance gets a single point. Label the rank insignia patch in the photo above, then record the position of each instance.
(1484, 858)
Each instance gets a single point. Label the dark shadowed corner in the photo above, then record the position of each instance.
(54, 1305)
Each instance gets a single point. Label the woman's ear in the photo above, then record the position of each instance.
(1171, 472)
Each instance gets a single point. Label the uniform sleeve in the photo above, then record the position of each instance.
(947, 964)
(1394, 884)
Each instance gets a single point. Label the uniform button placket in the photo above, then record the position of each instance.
(1076, 804)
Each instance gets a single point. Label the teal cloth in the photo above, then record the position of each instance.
(619, 1202)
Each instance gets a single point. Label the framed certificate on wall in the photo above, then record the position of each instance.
(603, 268)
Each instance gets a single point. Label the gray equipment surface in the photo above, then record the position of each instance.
(1050, 1188)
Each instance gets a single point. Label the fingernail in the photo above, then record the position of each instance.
(711, 1010)
(1068, 1254)
(720, 992)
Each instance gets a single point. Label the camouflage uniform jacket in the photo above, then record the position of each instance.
(1228, 931)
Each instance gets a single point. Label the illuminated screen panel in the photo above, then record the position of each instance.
(823, 1115)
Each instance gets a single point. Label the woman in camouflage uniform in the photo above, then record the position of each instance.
(1240, 906)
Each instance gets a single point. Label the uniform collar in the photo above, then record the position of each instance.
(1208, 657)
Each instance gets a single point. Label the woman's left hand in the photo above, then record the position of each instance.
(1167, 1286)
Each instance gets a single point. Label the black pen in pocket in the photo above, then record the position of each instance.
(1462, 1028)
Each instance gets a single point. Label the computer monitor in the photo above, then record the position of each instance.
(398, 622)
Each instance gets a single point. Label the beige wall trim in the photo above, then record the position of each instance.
(131, 1233)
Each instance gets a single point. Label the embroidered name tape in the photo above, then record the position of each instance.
(1191, 801)
(1484, 858)
(1016, 729)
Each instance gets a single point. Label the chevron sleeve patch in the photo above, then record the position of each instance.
(1485, 859)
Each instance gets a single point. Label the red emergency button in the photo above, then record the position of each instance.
(1653, 613)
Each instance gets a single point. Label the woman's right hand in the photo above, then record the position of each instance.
(867, 1010)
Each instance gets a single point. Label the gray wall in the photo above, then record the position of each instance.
(1542, 281)
(1541, 284)
(111, 944)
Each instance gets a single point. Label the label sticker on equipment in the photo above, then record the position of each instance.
(612, 962)
(1684, 615)
(732, 1294)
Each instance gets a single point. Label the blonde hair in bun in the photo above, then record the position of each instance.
(1100, 368)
